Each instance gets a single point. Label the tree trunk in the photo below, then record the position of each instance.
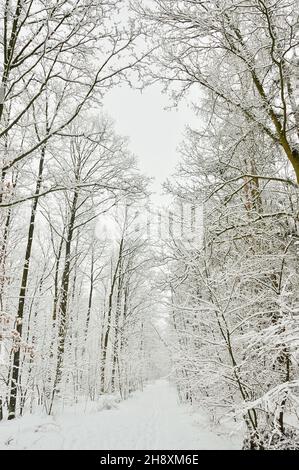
(109, 314)
(63, 304)
(22, 294)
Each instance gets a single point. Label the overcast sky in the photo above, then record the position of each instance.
(154, 132)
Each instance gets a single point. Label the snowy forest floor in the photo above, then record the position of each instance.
(151, 419)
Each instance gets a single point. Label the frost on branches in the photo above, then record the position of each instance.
(91, 307)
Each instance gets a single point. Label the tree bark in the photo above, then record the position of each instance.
(22, 294)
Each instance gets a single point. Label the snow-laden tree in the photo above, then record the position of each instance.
(244, 54)
(71, 52)
(58, 170)
(234, 301)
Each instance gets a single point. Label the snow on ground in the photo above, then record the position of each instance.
(151, 419)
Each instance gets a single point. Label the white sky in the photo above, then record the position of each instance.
(154, 132)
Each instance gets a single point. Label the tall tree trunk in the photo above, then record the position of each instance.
(109, 314)
(91, 288)
(63, 304)
(116, 331)
(22, 294)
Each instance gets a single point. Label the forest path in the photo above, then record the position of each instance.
(151, 419)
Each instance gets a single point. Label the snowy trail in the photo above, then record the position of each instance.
(151, 419)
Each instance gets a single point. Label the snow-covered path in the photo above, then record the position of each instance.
(151, 419)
